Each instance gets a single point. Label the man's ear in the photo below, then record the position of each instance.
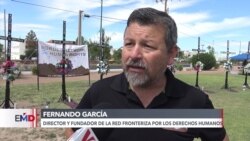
(172, 53)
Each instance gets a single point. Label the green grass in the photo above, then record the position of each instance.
(50, 92)
(235, 101)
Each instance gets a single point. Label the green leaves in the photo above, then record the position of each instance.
(207, 59)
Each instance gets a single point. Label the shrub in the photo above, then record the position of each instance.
(179, 67)
(34, 70)
(207, 59)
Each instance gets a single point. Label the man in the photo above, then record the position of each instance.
(149, 47)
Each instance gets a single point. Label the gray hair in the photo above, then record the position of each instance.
(150, 16)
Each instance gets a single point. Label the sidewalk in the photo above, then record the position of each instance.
(27, 78)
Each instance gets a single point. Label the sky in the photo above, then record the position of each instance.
(214, 21)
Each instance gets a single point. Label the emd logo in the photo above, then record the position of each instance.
(24, 118)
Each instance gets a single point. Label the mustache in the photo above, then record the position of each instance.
(136, 63)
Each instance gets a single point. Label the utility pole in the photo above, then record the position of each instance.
(81, 13)
(165, 6)
(101, 43)
(79, 41)
(102, 66)
(166, 9)
(80, 28)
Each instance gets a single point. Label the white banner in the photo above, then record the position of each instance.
(50, 55)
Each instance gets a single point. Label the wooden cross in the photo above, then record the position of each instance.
(198, 49)
(6, 102)
(198, 53)
(246, 73)
(64, 96)
(227, 52)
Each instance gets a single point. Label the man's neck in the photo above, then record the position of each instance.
(148, 93)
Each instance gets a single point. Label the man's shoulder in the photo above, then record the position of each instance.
(179, 87)
(192, 96)
(105, 90)
(109, 80)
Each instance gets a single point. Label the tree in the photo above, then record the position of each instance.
(95, 49)
(207, 59)
(180, 54)
(117, 55)
(107, 47)
(31, 45)
(84, 42)
(211, 50)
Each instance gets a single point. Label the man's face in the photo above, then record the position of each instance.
(144, 54)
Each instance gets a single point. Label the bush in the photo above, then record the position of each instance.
(34, 70)
(207, 59)
(179, 67)
(217, 65)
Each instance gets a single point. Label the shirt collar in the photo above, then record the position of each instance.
(172, 88)
(120, 84)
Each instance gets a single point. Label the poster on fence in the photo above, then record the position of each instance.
(50, 60)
